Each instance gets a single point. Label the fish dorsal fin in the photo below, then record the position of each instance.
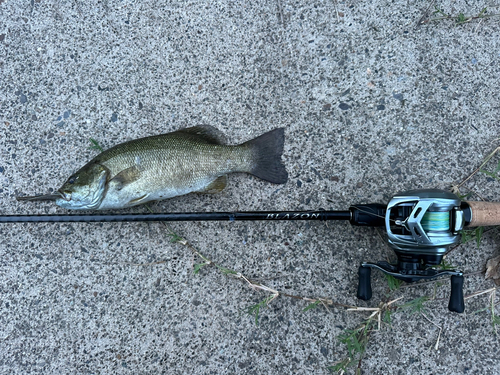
(125, 177)
(208, 133)
(216, 186)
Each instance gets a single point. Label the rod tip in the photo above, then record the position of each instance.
(47, 197)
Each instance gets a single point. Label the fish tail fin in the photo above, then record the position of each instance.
(266, 155)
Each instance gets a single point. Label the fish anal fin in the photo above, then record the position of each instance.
(139, 200)
(207, 133)
(125, 177)
(216, 186)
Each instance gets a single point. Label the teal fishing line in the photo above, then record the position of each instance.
(436, 221)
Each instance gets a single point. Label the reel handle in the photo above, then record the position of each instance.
(484, 214)
(365, 285)
(456, 303)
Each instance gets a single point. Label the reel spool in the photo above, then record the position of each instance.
(421, 226)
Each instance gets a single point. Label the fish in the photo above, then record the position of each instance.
(190, 160)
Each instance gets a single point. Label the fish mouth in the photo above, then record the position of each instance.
(64, 195)
(46, 197)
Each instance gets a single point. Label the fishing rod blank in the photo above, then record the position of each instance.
(369, 214)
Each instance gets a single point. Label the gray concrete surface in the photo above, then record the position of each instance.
(372, 104)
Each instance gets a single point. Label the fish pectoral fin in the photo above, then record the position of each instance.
(125, 177)
(207, 133)
(139, 200)
(216, 186)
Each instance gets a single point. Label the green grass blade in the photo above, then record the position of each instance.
(416, 305)
(392, 282)
(198, 267)
(479, 235)
(95, 145)
(312, 306)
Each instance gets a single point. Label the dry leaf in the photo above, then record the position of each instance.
(455, 190)
(493, 270)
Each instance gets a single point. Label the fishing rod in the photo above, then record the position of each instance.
(421, 226)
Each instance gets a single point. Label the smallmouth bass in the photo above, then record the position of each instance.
(163, 166)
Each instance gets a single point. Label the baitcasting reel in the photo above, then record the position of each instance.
(421, 227)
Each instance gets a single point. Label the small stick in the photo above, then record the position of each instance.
(466, 18)
(475, 294)
(486, 160)
(426, 13)
(436, 347)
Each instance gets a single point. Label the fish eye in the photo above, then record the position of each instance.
(72, 179)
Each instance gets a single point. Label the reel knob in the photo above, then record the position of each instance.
(456, 303)
(365, 284)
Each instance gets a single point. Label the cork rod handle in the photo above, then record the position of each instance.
(484, 214)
